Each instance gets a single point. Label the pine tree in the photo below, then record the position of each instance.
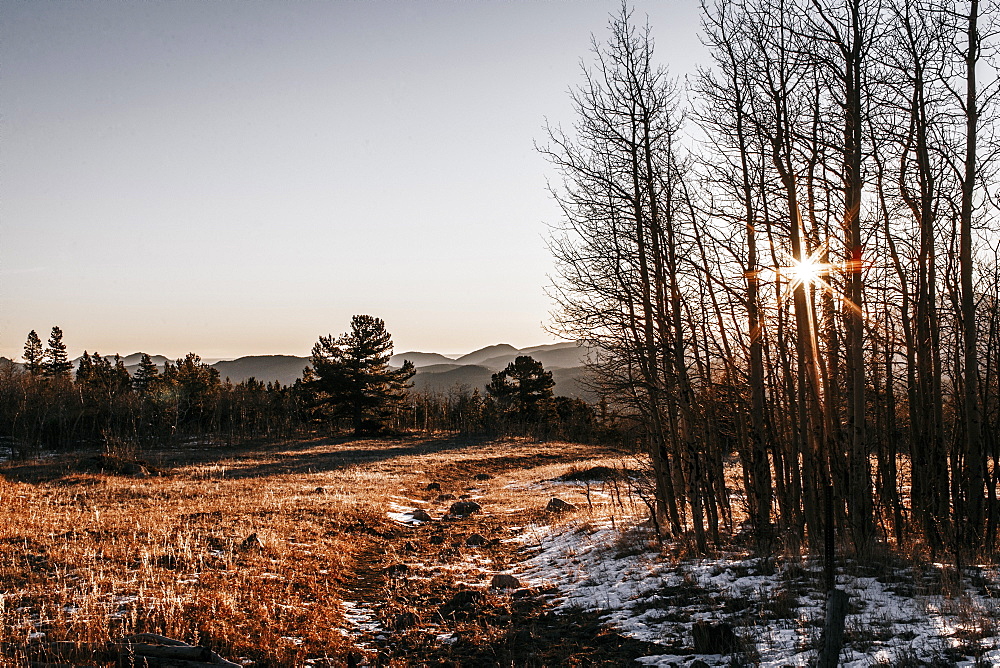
(121, 381)
(85, 370)
(57, 364)
(351, 374)
(522, 387)
(146, 374)
(34, 357)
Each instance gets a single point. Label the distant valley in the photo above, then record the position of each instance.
(435, 372)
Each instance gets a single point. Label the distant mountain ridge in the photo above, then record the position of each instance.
(435, 372)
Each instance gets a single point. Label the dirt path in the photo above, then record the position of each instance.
(422, 592)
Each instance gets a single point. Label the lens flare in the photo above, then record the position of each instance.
(807, 272)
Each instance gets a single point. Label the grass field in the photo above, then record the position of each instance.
(286, 555)
(315, 553)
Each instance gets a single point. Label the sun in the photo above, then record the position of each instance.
(806, 272)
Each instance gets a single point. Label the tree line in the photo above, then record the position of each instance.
(794, 260)
(348, 387)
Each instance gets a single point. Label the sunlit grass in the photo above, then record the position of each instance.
(89, 557)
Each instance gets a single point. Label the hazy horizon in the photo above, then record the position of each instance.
(213, 358)
(239, 179)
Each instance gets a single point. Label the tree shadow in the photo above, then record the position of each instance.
(335, 454)
(301, 456)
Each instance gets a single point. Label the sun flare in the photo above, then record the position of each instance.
(807, 272)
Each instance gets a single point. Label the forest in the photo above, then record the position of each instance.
(793, 258)
(52, 404)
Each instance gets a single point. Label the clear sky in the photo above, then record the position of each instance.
(238, 178)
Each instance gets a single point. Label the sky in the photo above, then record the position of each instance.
(239, 178)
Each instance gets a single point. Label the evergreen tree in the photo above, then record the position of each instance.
(352, 376)
(120, 379)
(146, 374)
(34, 357)
(522, 388)
(85, 370)
(57, 364)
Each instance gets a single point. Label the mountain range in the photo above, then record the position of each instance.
(435, 372)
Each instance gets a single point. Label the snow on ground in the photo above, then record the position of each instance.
(897, 616)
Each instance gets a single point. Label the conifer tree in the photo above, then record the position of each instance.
(522, 387)
(146, 374)
(57, 364)
(85, 370)
(351, 374)
(34, 356)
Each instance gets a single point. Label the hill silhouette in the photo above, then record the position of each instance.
(435, 372)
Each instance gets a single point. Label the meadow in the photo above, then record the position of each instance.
(353, 552)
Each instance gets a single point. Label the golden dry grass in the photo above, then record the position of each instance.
(90, 557)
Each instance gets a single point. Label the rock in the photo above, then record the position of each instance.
(252, 543)
(319, 490)
(523, 593)
(437, 539)
(409, 546)
(433, 487)
(698, 663)
(484, 476)
(464, 508)
(421, 515)
(714, 638)
(446, 497)
(557, 505)
(504, 581)
(465, 496)
(475, 540)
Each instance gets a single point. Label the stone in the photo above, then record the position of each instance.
(464, 508)
(484, 476)
(475, 540)
(557, 505)
(432, 487)
(421, 515)
(698, 663)
(446, 497)
(504, 581)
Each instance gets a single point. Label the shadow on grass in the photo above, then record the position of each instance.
(302, 456)
(333, 454)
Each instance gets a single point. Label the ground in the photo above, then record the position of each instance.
(313, 553)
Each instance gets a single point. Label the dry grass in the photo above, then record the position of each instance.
(90, 557)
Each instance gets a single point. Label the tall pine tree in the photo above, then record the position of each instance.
(57, 364)
(352, 376)
(34, 356)
(522, 388)
(146, 374)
